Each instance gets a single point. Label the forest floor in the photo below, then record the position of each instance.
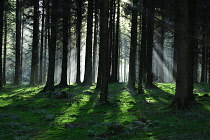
(27, 114)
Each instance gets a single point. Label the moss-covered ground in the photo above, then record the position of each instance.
(27, 114)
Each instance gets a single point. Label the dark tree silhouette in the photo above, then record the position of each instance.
(150, 42)
(1, 37)
(65, 22)
(184, 58)
(17, 48)
(132, 60)
(88, 57)
(52, 49)
(104, 39)
(35, 46)
(78, 37)
(42, 44)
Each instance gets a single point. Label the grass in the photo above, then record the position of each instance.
(25, 113)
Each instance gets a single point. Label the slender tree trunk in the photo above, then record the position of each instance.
(132, 60)
(52, 49)
(63, 82)
(1, 37)
(17, 48)
(162, 38)
(78, 38)
(142, 49)
(22, 39)
(104, 39)
(115, 63)
(35, 47)
(192, 47)
(88, 57)
(95, 44)
(42, 44)
(47, 39)
(5, 48)
(204, 50)
(150, 43)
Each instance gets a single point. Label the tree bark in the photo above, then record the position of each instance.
(63, 82)
(142, 54)
(52, 49)
(132, 60)
(78, 38)
(42, 45)
(35, 47)
(1, 37)
(115, 52)
(5, 48)
(150, 43)
(17, 48)
(104, 39)
(88, 57)
(95, 43)
(184, 58)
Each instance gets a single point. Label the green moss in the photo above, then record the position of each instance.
(27, 114)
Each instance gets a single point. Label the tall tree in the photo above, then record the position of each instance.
(65, 22)
(1, 37)
(42, 44)
(78, 37)
(104, 43)
(52, 48)
(114, 76)
(150, 43)
(5, 47)
(132, 60)
(17, 79)
(95, 43)
(183, 83)
(35, 46)
(142, 49)
(88, 57)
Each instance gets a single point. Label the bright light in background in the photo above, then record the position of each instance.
(126, 1)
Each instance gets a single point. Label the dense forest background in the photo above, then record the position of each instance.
(61, 42)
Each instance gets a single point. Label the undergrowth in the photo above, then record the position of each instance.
(27, 114)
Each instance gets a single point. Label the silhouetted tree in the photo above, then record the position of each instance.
(132, 60)
(52, 49)
(104, 43)
(17, 48)
(1, 37)
(65, 29)
(184, 58)
(150, 42)
(88, 56)
(35, 45)
(78, 37)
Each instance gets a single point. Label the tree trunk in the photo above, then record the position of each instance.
(5, 48)
(142, 49)
(104, 39)
(42, 45)
(150, 43)
(95, 43)
(63, 82)
(52, 49)
(1, 37)
(183, 84)
(35, 47)
(115, 52)
(132, 60)
(17, 48)
(88, 57)
(78, 38)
